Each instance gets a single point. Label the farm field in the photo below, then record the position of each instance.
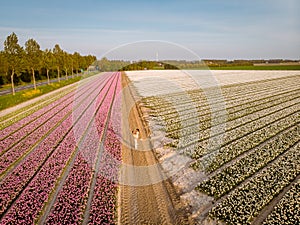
(212, 150)
(50, 158)
(231, 144)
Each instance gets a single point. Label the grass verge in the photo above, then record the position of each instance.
(7, 101)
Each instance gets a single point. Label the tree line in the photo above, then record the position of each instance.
(149, 65)
(113, 65)
(30, 62)
(122, 65)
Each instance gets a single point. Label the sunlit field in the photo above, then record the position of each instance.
(225, 146)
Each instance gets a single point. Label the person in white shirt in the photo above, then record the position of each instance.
(136, 136)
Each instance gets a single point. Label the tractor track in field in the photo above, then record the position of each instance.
(156, 202)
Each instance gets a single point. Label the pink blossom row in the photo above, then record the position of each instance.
(103, 207)
(72, 198)
(51, 161)
(44, 111)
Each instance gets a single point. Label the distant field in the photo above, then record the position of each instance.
(271, 67)
(195, 78)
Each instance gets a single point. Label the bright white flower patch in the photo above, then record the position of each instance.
(255, 135)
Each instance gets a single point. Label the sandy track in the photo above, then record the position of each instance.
(156, 203)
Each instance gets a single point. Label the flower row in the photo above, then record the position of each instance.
(103, 209)
(14, 182)
(230, 177)
(72, 197)
(245, 202)
(29, 113)
(287, 210)
(234, 129)
(234, 112)
(35, 118)
(29, 142)
(31, 182)
(185, 101)
(221, 156)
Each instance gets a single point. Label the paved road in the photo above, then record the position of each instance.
(29, 86)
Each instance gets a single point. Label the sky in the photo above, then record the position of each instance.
(173, 29)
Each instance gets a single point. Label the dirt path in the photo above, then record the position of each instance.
(143, 197)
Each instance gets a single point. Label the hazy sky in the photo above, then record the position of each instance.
(211, 28)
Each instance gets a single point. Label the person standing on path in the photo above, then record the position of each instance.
(136, 135)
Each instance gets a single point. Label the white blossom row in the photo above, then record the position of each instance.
(245, 202)
(231, 176)
(228, 152)
(286, 212)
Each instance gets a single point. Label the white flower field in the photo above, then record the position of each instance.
(240, 129)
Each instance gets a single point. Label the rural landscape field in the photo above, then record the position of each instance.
(225, 150)
(150, 112)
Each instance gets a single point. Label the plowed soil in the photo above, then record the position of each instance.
(144, 197)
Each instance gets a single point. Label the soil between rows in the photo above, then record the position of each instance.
(144, 197)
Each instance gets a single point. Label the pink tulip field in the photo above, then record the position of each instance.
(51, 160)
